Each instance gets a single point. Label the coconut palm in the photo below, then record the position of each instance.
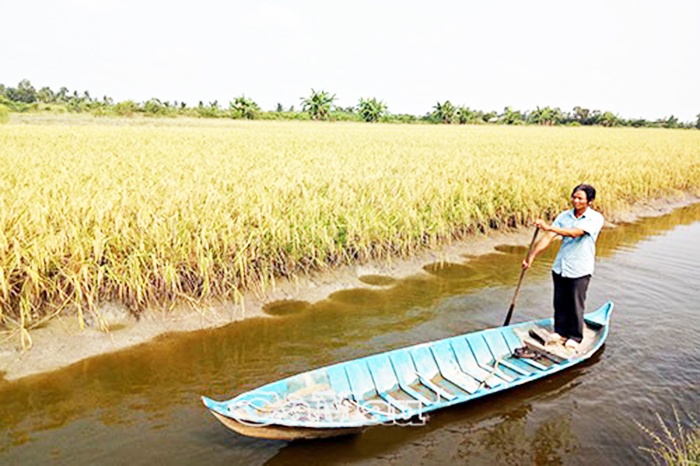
(511, 117)
(608, 119)
(465, 115)
(318, 104)
(243, 107)
(371, 110)
(444, 112)
(547, 116)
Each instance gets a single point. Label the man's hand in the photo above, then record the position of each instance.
(542, 225)
(548, 228)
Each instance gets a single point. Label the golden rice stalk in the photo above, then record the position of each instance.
(157, 213)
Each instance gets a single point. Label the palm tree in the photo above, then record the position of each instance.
(46, 95)
(318, 104)
(62, 94)
(511, 117)
(25, 92)
(444, 112)
(608, 119)
(547, 116)
(670, 122)
(581, 115)
(154, 107)
(371, 110)
(243, 107)
(465, 115)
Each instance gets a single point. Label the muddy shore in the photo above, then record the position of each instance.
(61, 342)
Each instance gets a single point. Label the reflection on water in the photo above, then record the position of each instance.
(142, 404)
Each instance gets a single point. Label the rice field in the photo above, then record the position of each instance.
(168, 211)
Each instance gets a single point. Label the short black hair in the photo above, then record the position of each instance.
(586, 188)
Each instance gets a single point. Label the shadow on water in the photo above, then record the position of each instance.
(154, 388)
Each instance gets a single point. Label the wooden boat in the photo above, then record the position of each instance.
(402, 385)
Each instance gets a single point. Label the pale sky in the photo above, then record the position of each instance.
(638, 59)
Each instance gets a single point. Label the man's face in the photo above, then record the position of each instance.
(579, 200)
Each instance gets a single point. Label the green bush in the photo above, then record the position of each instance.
(12, 106)
(126, 108)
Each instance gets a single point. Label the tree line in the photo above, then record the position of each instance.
(318, 105)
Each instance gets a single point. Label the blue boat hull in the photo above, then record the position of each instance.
(402, 385)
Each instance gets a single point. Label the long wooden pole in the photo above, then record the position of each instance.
(520, 280)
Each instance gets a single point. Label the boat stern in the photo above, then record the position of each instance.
(601, 316)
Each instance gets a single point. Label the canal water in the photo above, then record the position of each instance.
(141, 406)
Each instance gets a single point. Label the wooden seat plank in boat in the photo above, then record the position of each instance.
(360, 381)
(470, 365)
(449, 367)
(408, 379)
(427, 370)
(385, 381)
(485, 359)
(338, 379)
(514, 343)
(499, 351)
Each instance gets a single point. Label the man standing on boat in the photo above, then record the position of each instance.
(574, 264)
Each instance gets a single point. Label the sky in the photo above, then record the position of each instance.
(638, 59)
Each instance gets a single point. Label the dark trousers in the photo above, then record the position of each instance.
(569, 305)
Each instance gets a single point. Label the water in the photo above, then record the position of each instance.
(142, 406)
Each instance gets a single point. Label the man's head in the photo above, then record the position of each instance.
(587, 189)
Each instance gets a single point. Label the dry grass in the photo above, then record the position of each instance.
(680, 447)
(156, 214)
